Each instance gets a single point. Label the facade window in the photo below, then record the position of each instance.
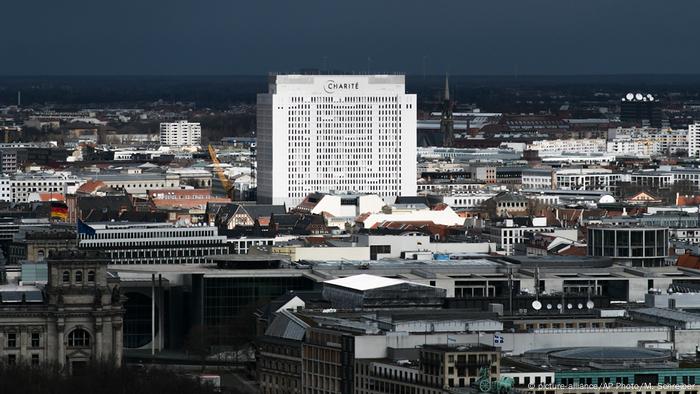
(36, 339)
(12, 359)
(66, 276)
(35, 360)
(11, 340)
(79, 338)
(78, 276)
(91, 276)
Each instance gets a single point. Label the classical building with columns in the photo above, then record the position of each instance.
(76, 318)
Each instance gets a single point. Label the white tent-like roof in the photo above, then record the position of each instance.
(365, 282)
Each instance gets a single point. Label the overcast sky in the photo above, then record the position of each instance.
(471, 37)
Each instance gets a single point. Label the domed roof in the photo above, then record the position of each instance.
(606, 199)
(608, 355)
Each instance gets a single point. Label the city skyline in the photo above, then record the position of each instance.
(366, 197)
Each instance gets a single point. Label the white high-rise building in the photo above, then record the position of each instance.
(182, 133)
(335, 134)
(694, 140)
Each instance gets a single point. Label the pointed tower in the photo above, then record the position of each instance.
(446, 120)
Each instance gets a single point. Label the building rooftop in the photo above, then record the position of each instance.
(14, 294)
(462, 347)
(610, 353)
(364, 282)
(670, 314)
(600, 357)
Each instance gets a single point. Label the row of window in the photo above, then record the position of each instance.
(153, 234)
(12, 359)
(133, 244)
(158, 253)
(78, 276)
(686, 379)
(76, 338)
(12, 340)
(347, 99)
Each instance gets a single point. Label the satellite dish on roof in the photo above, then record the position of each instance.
(536, 305)
(569, 306)
(549, 306)
(629, 96)
(650, 97)
(580, 305)
(638, 96)
(589, 304)
(560, 306)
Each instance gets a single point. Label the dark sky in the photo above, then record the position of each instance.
(478, 37)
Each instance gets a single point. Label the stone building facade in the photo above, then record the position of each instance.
(75, 319)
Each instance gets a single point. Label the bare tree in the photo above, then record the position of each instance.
(99, 378)
(199, 342)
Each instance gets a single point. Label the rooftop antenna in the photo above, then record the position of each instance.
(563, 304)
(510, 290)
(446, 94)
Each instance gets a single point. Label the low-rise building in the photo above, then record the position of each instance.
(181, 133)
(152, 243)
(588, 179)
(439, 215)
(343, 206)
(573, 145)
(511, 232)
(636, 246)
(23, 186)
(139, 184)
(370, 292)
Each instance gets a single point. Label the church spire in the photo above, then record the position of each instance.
(446, 97)
(446, 121)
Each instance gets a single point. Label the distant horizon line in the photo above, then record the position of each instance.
(418, 75)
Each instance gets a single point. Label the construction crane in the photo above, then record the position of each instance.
(225, 183)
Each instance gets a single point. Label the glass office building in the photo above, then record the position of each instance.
(638, 246)
(229, 302)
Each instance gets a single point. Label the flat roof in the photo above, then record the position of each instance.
(670, 314)
(389, 263)
(422, 271)
(364, 282)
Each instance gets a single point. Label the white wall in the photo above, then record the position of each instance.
(686, 341)
(446, 216)
(300, 118)
(365, 204)
(375, 346)
(332, 253)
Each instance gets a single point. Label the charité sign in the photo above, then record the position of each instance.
(332, 86)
